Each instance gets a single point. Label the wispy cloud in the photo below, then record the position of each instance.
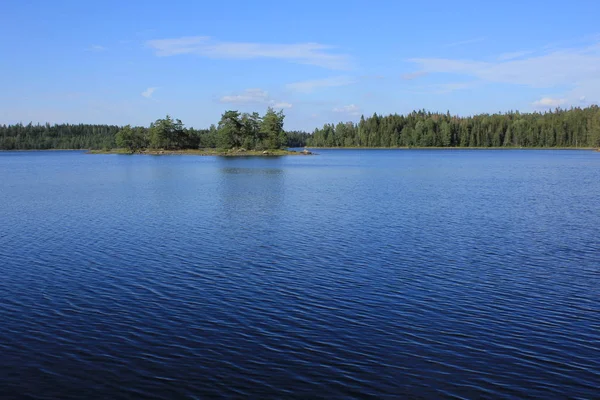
(550, 69)
(374, 77)
(303, 53)
(96, 48)
(465, 42)
(444, 88)
(413, 75)
(350, 109)
(148, 92)
(254, 97)
(440, 88)
(513, 55)
(248, 96)
(282, 104)
(577, 68)
(548, 102)
(310, 85)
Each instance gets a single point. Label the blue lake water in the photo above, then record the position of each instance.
(354, 273)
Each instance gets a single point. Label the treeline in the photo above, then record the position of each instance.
(62, 136)
(234, 130)
(576, 127)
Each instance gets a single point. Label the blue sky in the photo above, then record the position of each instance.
(131, 62)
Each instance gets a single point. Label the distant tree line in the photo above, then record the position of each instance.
(61, 136)
(576, 127)
(234, 130)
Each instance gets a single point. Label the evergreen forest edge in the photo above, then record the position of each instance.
(575, 127)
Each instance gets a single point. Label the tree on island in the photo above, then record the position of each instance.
(250, 131)
(167, 134)
(132, 139)
(235, 130)
(272, 129)
(229, 130)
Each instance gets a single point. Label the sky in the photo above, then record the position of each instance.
(132, 62)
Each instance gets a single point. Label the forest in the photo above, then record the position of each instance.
(576, 127)
(234, 130)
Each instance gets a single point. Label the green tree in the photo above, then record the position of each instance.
(208, 139)
(446, 133)
(251, 136)
(593, 127)
(229, 131)
(132, 139)
(271, 128)
(167, 134)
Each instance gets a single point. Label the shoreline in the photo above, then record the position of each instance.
(455, 148)
(22, 150)
(254, 153)
(206, 152)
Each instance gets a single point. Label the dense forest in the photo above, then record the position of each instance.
(576, 127)
(234, 130)
(62, 136)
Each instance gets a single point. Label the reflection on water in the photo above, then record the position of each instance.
(252, 171)
(251, 190)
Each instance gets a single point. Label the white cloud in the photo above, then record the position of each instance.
(550, 69)
(574, 70)
(549, 102)
(254, 97)
(148, 92)
(310, 85)
(248, 96)
(350, 109)
(282, 105)
(303, 53)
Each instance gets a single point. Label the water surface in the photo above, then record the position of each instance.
(354, 273)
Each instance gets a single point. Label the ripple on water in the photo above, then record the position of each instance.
(411, 275)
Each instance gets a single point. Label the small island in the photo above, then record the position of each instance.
(241, 152)
(236, 135)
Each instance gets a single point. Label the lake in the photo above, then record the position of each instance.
(349, 274)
